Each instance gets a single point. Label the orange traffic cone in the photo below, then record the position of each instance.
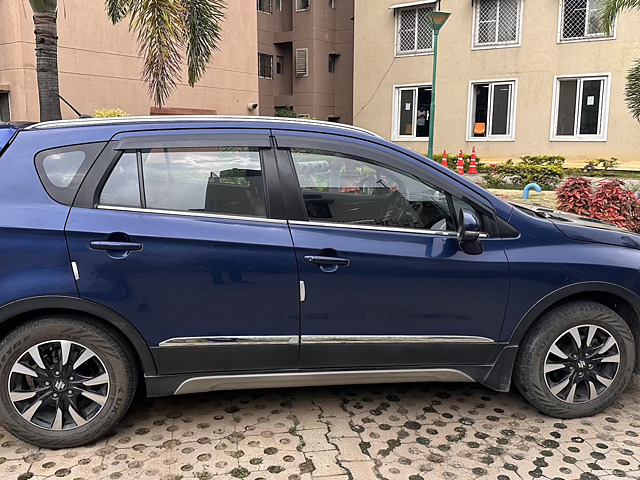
(444, 159)
(460, 164)
(472, 166)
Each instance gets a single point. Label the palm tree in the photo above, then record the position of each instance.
(166, 30)
(46, 30)
(609, 13)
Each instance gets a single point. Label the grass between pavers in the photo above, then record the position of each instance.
(547, 198)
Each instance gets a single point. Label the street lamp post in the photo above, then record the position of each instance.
(436, 20)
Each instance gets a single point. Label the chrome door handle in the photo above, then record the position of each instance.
(319, 260)
(118, 246)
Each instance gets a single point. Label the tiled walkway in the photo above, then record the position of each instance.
(408, 432)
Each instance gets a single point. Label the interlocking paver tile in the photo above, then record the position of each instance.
(393, 432)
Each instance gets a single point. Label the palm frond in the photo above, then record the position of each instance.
(610, 10)
(202, 25)
(632, 90)
(161, 36)
(117, 9)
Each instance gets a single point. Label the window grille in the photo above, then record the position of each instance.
(498, 22)
(415, 34)
(581, 20)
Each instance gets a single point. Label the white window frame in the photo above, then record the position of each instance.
(588, 38)
(396, 44)
(270, 11)
(511, 137)
(271, 60)
(295, 62)
(490, 46)
(605, 98)
(395, 119)
(302, 9)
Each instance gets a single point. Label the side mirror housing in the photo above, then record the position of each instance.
(469, 232)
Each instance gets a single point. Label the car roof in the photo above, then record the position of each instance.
(209, 120)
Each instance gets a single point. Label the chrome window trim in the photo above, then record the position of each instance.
(192, 214)
(436, 233)
(229, 340)
(309, 379)
(378, 339)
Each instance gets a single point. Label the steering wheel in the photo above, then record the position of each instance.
(395, 208)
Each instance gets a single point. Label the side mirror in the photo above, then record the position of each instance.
(469, 232)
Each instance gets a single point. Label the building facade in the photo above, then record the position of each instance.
(305, 57)
(99, 66)
(515, 78)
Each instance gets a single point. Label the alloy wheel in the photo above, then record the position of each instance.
(581, 364)
(58, 385)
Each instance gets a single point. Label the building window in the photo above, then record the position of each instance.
(581, 106)
(333, 59)
(492, 112)
(279, 5)
(264, 6)
(580, 20)
(279, 65)
(414, 33)
(265, 66)
(302, 5)
(412, 113)
(332, 3)
(497, 23)
(5, 111)
(302, 62)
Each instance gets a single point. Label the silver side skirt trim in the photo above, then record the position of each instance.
(203, 341)
(311, 379)
(356, 339)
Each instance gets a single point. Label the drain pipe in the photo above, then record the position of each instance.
(535, 186)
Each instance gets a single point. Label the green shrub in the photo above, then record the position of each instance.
(548, 175)
(109, 112)
(285, 112)
(544, 160)
(600, 166)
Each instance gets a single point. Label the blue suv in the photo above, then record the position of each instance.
(204, 253)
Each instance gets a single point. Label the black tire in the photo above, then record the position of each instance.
(111, 355)
(529, 375)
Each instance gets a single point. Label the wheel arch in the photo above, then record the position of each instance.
(19, 311)
(621, 300)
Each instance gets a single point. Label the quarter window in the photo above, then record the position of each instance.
(497, 22)
(580, 20)
(492, 110)
(414, 33)
(224, 180)
(341, 189)
(580, 107)
(413, 112)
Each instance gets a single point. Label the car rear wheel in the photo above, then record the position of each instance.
(576, 360)
(64, 381)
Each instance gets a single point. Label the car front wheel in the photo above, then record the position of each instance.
(64, 381)
(576, 360)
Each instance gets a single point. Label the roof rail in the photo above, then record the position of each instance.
(192, 118)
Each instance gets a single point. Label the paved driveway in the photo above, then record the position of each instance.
(408, 432)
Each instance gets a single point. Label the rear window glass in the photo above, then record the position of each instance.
(62, 169)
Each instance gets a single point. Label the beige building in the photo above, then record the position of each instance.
(515, 77)
(305, 57)
(100, 68)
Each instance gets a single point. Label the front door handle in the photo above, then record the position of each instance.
(320, 260)
(116, 246)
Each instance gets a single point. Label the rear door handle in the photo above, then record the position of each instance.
(117, 246)
(319, 260)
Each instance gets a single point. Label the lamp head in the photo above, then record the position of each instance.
(437, 19)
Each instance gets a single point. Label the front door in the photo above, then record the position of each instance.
(386, 283)
(181, 244)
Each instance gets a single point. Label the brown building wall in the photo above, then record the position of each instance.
(100, 68)
(322, 30)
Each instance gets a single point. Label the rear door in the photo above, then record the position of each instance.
(183, 235)
(386, 283)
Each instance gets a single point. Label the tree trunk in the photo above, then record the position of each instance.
(47, 64)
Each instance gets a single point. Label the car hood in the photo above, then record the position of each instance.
(582, 228)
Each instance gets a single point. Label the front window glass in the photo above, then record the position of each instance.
(341, 189)
(492, 110)
(413, 107)
(580, 107)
